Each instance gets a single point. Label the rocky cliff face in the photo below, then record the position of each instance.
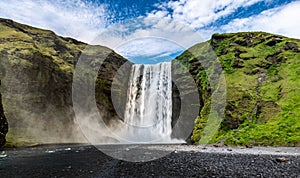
(3, 124)
(261, 72)
(37, 85)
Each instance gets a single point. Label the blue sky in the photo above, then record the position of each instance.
(151, 31)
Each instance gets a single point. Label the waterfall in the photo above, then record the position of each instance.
(148, 113)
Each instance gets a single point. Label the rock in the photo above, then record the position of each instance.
(274, 58)
(220, 143)
(216, 145)
(273, 42)
(3, 156)
(3, 123)
(238, 63)
(249, 146)
(282, 160)
(291, 46)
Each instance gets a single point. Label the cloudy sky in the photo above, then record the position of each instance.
(150, 31)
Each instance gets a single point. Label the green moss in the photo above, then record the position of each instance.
(22, 62)
(273, 133)
(200, 123)
(263, 101)
(17, 140)
(8, 33)
(227, 62)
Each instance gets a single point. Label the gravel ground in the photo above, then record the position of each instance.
(182, 161)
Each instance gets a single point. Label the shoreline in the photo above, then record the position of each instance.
(255, 150)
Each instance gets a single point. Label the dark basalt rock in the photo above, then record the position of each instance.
(291, 46)
(3, 120)
(238, 63)
(273, 42)
(3, 123)
(275, 58)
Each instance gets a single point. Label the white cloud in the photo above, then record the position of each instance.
(148, 37)
(148, 46)
(73, 18)
(283, 20)
(198, 14)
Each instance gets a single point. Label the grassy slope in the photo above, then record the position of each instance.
(263, 100)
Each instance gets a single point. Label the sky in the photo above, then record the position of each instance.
(152, 31)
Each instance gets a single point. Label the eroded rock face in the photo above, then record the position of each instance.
(3, 123)
(37, 85)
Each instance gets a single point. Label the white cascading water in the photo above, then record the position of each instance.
(148, 113)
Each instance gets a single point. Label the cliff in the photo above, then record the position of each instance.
(36, 90)
(262, 88)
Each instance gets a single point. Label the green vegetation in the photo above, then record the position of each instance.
(262, 81)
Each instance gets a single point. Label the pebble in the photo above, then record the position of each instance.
(282, 160)
(249, 146)
(3, 156)
(50, 151)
